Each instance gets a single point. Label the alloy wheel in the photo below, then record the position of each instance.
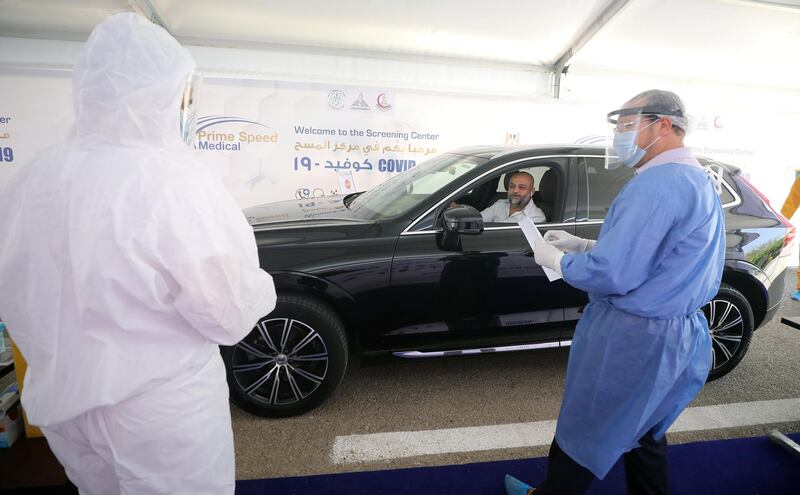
(281, 362)
(726, 326)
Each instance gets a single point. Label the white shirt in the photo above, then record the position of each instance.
(498, 212)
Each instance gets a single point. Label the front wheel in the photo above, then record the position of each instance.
(730, 322)
(292, 360)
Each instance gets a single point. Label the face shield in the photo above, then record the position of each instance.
(189, 102)
(623, 148)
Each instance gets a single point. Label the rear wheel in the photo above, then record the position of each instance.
(292, 360)
(730, 322)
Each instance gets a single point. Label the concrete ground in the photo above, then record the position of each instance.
(487, 390)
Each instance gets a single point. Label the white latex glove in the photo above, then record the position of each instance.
(547, 255)
(567, 242)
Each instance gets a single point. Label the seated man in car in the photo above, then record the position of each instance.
(520, 193)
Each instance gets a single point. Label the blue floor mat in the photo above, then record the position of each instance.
(731, 467)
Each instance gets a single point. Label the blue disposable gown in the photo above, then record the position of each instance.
(642, 350)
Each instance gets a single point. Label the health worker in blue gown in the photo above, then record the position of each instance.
(642, 350)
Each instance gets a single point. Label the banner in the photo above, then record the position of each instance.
(35, 113)
(274, 141)
(271, 141)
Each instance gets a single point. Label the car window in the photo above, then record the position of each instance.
(432, 182)
(600, 188)
(725, 195)
(409, 189)
(493, 190)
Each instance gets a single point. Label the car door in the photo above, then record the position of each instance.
(597, 188)
(490, 293)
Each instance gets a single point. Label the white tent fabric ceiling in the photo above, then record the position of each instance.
(743, 42)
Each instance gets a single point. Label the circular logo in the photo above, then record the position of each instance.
(336, 99)
(383, 103)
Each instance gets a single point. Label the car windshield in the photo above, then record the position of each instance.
(405, 191)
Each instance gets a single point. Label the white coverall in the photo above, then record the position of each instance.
(124, 263)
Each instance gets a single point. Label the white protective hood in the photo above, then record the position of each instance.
(127, 85)
(123, 260)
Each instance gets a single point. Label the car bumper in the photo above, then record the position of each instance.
(775, 294)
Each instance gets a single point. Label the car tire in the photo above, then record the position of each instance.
(292, 360)
(731, 325)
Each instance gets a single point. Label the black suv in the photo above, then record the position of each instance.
(396, 271)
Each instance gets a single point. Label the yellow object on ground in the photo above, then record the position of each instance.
(20, 366)
(790, 207)
(792, 201)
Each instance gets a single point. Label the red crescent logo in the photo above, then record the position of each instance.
(382, 101)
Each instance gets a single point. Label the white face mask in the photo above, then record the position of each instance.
(628, 152)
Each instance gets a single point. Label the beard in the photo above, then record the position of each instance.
(519, 200)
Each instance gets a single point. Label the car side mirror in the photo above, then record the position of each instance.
(457, 221)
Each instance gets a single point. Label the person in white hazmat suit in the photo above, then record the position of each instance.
(125, 264)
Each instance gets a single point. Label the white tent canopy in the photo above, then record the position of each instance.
(473, 71)
(504, 47)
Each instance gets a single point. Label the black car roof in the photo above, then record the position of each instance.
(489, 152)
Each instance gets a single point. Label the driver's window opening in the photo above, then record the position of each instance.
(502, 197)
